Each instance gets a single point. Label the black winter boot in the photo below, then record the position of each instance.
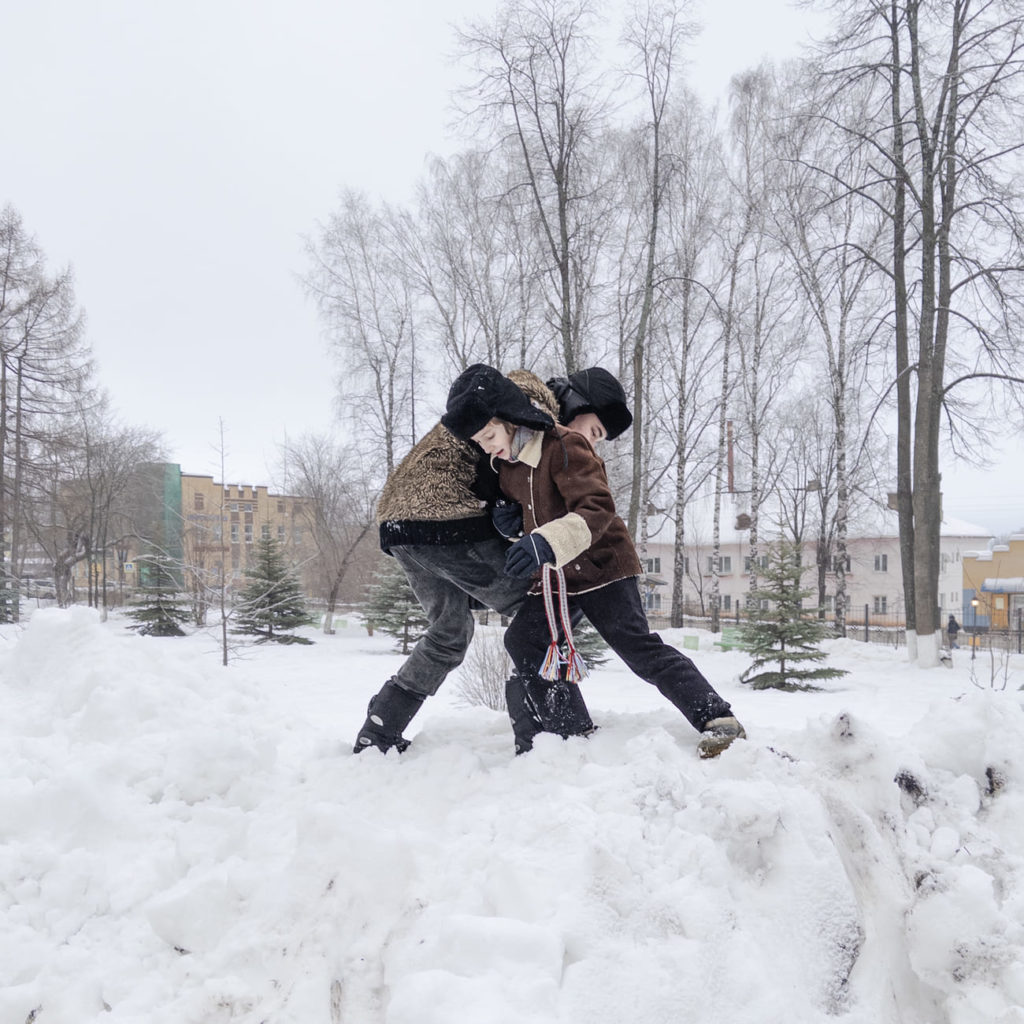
(387, 714)
(539, 705)
(561, 707)
(526, 721)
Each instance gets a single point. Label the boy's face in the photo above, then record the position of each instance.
(496, 439)
(589, 426)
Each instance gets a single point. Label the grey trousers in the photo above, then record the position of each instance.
(444, 577)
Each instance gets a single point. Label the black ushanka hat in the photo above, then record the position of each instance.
(481, 393)
(593, 390)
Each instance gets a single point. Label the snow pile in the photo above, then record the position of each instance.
(187, 843)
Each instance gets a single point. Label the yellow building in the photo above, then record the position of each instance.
(222, 522)
(994, 586)
(209, 528)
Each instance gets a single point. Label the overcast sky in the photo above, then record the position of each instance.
(175, 154)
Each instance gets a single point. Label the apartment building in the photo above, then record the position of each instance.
(207, 525)
(993, 586)
(222, 522)
(874, 584)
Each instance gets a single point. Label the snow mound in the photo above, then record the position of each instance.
(188, 843)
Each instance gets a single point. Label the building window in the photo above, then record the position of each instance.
(234, 533)
(727, 602)
(248, 533)
(247, 507)
(233, 506)
(280, 507)
(198, 502)
(280, 534)
(653, 564)
(881, 563)
(265, 531)
(880, 605)
(652, 601)
(725, 564)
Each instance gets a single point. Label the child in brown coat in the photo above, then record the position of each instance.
(570, 522)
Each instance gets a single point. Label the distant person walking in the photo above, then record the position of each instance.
(953, 629)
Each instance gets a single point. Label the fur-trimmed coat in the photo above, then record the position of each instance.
(563, 489)
(439, 493)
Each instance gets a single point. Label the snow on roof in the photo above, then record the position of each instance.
(1004, 585)
(699, 515)
(884, 522)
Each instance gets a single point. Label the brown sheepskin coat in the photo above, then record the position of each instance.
(563, 489)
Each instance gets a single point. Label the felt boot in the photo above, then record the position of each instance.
(387, 714)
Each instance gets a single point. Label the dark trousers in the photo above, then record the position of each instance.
(617, 614)
(444, 577)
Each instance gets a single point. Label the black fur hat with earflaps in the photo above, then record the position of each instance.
(482, 393)
(593, 390)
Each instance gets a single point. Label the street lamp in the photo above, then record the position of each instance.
(974, 626)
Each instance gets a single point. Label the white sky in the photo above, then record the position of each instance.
(175, 155)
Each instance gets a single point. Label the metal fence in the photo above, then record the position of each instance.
(875, 628)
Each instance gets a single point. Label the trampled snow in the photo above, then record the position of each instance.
(186, 843)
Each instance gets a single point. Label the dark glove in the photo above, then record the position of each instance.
(507, 517)
(527, 555)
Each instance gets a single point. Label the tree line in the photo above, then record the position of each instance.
(79, 486)
(66, 462)
(812, 295)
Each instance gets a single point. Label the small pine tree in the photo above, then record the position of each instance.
(589, 643)
(392, 607)
(783, 633)
(160, 610)
(271, 604)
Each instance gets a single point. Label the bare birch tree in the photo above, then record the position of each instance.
(469, 249)
(340, 510)
(834, 243)
(367, 305)
(537, 87)
(44, 370)
(943, 134)
(768, 344)
(654, 38)
(686, 344)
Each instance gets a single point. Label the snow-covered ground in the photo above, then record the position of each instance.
(182, 842)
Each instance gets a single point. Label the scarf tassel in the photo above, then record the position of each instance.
(575, 666)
